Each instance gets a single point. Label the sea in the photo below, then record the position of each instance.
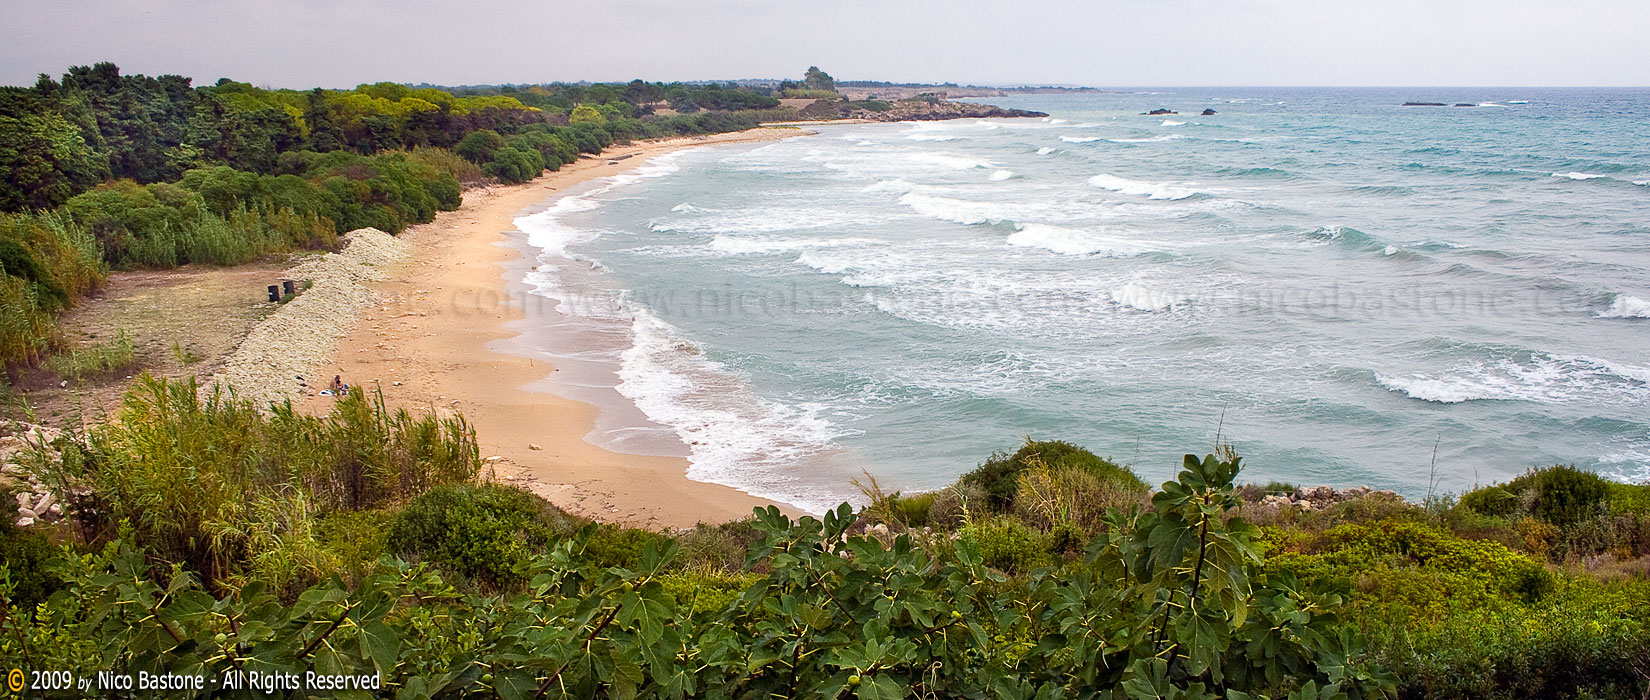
(1346, 290)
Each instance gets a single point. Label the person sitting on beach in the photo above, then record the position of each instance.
(338, 387)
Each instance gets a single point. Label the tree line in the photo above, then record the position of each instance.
(110, 171)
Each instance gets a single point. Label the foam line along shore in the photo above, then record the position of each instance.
(441, 340)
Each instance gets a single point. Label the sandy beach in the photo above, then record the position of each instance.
(434, 344)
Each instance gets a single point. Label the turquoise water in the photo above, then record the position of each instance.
(1334, 283)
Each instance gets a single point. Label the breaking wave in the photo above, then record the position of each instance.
(1151, 190)
(1626, 307)
(1527, 376)
(1066, 241)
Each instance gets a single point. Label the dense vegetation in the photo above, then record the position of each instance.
(109, 171)
(368, 545)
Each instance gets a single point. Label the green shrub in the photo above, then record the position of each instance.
(1566, 495)
(706, 594)
(913, 510)
(1620, 536)
(23, 557)
(1496, 500)
(1176, 606)
(484, 533)
(448, 162)
(872, 105)
(999, 476)
(1474, 524)
(478, 146)
(513, 165)
(954, 506)
(1558, 494)
(717, 548)
(217, 485)
(1629, 499)
(1053, 497)
(107, 356)
(1010, 545)
(357, 539)
(615, 546)
(803, 94)
(17, 261)
(1581, 644)
(1419, 568)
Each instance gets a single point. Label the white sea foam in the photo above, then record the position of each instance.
(1626, 306)
(951, 161)
(1390, 250)
(820, 263)
(1152, 190)
(1046, 150)
(1137, 297)
(685, 208)
(753, 219)
(1152, 139)
(896, 185)
(1002, 175)
(1171, 122)
(1434, 390)
(936, 137)
(1580, 176)
(738, 245)
(960, 211)
(546, 231)
(1067, 241)
(1081, 139)
(1538, 377)
(734, 437)
(1642, 183)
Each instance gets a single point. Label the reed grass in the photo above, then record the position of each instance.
(217, 484)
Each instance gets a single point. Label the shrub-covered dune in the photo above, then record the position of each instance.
(209, 536)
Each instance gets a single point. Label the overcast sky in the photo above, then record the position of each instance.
(340, 43)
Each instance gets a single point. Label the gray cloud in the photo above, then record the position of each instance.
(1113, 42)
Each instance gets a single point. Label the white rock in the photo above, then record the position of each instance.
(45, 502)
(25, 522)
